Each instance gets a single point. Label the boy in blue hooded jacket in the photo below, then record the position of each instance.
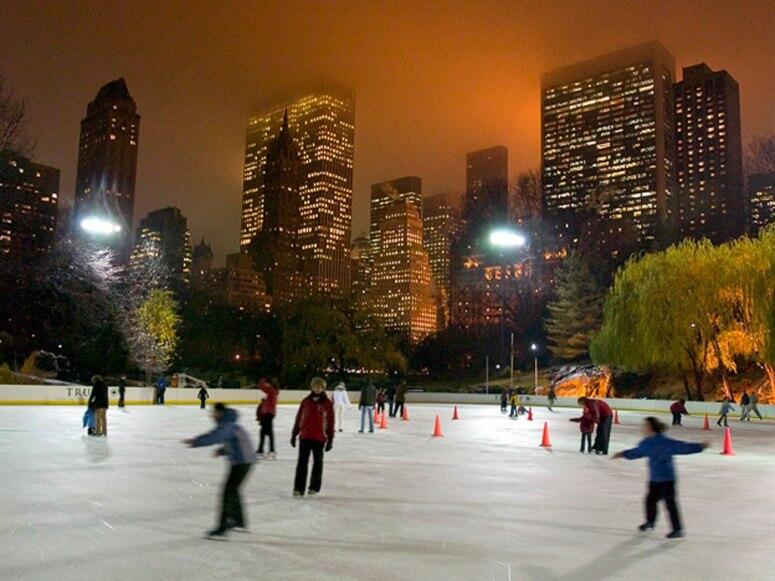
(239, 450)
(660, 450)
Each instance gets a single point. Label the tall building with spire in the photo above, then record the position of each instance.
(276, 248)
(107, 164)
(323, 126)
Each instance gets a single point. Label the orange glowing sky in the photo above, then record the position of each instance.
(433, 80)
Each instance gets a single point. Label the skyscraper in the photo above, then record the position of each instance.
(359, 256)
(441, 225)
(607, 139)
(487, 184)
(242, 286)
(29, 195)
(382, 195)
(163, 235)
(761, 195)
(107, 163)
(710, 197)
(322, 124)
(277, 246)
(201, 262)
(401, 292)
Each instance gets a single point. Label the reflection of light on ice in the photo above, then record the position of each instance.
(484, 502)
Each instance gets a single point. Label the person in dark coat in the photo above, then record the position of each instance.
(678, 409)
(238, 448)
(660, 450)
(121, 391)
(603, 416)
(504, 400)
(551, 398)
(202, 396)
(265, 414)
(390, 396)
(99, 402)
(314, 427)
(381, 401)
(400, 399)
(366, 406)
(161, 387)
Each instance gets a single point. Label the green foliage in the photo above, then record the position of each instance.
(693, 308)
(159, 316)
(575, 313)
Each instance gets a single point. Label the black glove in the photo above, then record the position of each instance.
(293, 441)
(329, 445)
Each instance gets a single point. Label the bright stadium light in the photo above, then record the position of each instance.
(505, 238)
(100, 226)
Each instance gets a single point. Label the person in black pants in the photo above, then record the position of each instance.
(203, 396)
(660, 451)
(314, 426)
(121, 391)
(239, 450)
(398, 410)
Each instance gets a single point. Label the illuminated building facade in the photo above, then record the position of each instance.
(441, 225)
(276, 248)
(29, 195)
(163, 235)
(761, 196)
(323, 126)
(401, 295)
(710, 197)
(359, 267)
(107, 162)
(607, 126)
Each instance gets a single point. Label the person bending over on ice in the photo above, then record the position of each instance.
(678, 409)
(239, 450)
(660, 450)
(604, 417)
(314, 427)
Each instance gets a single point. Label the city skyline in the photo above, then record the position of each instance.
(193, 127)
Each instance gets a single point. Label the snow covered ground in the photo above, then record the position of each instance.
(484, 502)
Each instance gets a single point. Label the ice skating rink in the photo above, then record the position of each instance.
(483, 502)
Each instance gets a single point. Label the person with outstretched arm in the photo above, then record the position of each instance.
(660, 449)
(238, 448)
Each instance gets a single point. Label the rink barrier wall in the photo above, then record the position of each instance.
(78, 395)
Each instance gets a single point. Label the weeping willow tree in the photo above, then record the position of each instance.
(693, 309)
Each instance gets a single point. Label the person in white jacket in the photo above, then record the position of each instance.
(341, 403)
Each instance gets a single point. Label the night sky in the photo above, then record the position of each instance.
(433, 80)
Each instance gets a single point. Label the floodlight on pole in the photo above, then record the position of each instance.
(507, 238)
(99, 226)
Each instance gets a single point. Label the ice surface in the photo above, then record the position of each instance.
(484, 502)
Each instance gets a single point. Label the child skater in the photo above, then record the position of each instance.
(239, 449)
(381, 397)
(515, 404)
(314, 427)
(678, 409)
(265, 414)
(587, 426)
(202, 396)
(660, 450)
(726, 407)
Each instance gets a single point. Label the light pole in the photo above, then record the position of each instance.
(512, 361)
(534, 349)
(487, 374)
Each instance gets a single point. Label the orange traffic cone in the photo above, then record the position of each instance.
(530, 414)
(405, 414)
(437, 428)
(383, 422)
(455, 414)
(545, 441)
(616, 417)
(727, 451)
(706, 423)
(376, 416)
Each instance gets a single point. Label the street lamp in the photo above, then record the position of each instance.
(534, 349)
(99, 226)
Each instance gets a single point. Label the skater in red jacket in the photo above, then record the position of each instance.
(678, 409)
(587, 426)
(603, 416)
(314, 427)
(265, 413)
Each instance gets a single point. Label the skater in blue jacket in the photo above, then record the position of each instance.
(660, 450)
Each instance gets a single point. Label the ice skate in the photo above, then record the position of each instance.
(646, 526)
(298, 493)
(312, 492)
(675, 535)
(218, 534)
(271, 456)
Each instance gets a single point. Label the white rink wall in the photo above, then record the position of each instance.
(77, 395)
